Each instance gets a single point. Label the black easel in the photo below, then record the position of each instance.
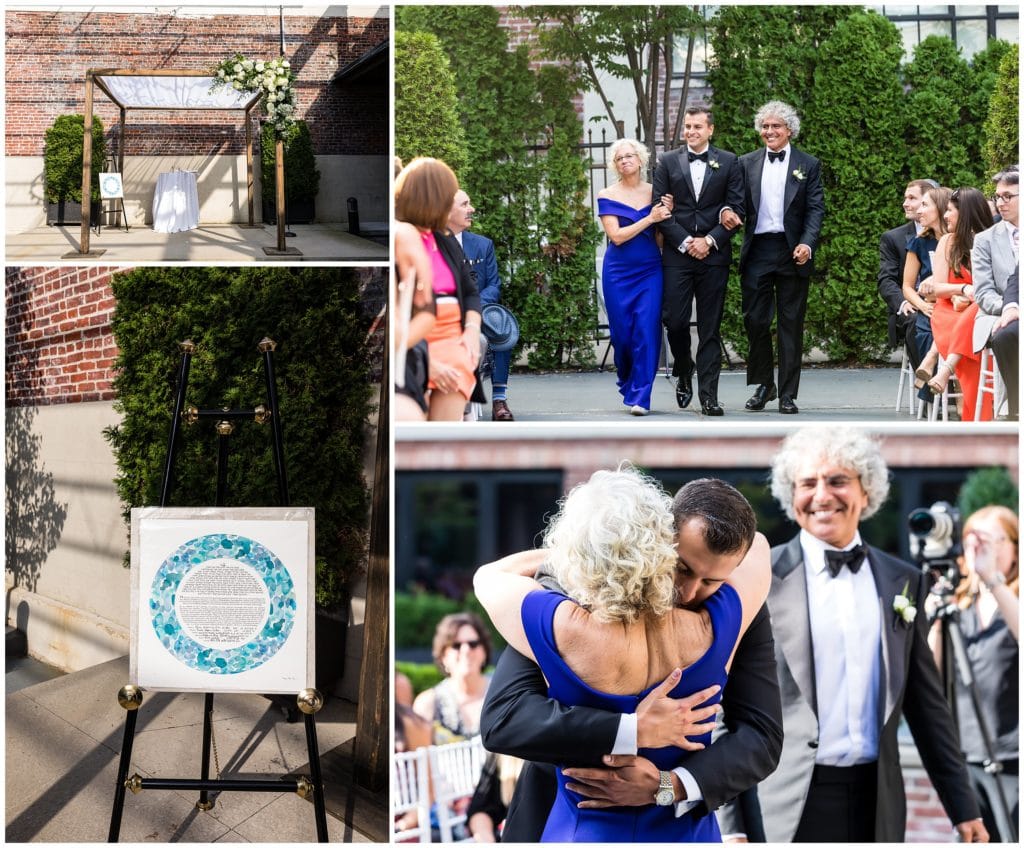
(309, 701)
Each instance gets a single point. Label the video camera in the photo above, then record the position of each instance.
(936, 540)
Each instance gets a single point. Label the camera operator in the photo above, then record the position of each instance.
(987, 600)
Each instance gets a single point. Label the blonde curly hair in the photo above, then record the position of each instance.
(612, 546)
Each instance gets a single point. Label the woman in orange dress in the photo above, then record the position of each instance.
(952, 319)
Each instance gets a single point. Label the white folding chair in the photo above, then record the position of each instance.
(454, 773)
(410, 790)
(990, 381)
(940, 404)
(907, 377)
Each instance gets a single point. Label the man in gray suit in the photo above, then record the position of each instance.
(995, 254)
(1006, 342)
(852, 658)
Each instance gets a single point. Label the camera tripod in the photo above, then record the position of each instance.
(956, 664)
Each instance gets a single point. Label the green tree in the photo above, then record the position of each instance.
(426, 105)
(942, 141)
(524, 173)
(632, 43)
(1001, 147)
(323, 388)
(985, 487)
(858, 125)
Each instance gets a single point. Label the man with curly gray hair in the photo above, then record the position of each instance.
(785, 206)
(852, 658)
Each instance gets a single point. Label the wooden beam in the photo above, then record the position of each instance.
(279, 177)
(120, 147)
(249, 175)
(370, 754)
(86, 164)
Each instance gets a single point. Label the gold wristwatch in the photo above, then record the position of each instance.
(665, 795)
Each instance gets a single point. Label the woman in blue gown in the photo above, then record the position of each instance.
(616, 633)
(631, 274)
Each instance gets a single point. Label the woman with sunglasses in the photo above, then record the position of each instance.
(462, 650)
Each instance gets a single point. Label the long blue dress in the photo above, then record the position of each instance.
(631, 278)
(568, 823)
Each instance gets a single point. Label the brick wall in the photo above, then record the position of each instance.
(48, 53)
(926, 820)
(58, 340)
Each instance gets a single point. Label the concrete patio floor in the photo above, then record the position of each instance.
(64, 738)
(226, 243)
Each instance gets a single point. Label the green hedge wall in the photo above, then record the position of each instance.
(323, 387)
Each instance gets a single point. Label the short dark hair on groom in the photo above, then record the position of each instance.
(700, 109)
(728, 519)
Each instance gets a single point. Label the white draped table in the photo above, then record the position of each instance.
(176, 202)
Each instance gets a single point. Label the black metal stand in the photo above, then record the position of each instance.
(956, 664)
(308, 701)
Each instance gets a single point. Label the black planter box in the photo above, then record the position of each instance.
(300, 211)
(331, 633)
(70, 212)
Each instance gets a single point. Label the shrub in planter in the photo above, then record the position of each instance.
(62, 167)
(323, 382)
(301, 178)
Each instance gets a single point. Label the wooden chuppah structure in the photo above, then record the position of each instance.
(169, 90)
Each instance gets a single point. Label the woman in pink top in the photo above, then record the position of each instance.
(424, 194)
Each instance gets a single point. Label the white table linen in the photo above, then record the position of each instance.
(176, 202)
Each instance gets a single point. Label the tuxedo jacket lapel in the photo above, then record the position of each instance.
(792, 184)
(757, 172)
(684, 166)
(894, 635)
(791, 618)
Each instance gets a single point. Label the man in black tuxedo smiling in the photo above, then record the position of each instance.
(785, 206)
(704, 181)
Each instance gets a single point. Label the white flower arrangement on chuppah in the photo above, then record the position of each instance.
(273, 77)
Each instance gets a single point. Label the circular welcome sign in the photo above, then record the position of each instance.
(222, 604)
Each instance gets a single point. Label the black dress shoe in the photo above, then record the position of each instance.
(711, 407)
(762, 394)
(684, 391)
(786, 405)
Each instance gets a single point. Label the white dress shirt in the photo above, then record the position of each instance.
(846, 634)
(772, 207)
(625, 743)
(698, 170)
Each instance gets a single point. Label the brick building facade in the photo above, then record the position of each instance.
(49, 52)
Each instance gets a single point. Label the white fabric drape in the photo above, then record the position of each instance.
(174, 93)
(176, 202)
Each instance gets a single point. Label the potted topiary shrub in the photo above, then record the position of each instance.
(62, 169)
(301, 178)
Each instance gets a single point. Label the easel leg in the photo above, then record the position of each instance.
(310, 701)
(204, 802)
(129, 697)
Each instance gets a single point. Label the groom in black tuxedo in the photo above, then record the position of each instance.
(852, 656)
(785, 206)
(703, 181)
(519, 719)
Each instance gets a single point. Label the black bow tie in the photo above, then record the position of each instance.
(852, 559)
(776, 155)
(692, 156)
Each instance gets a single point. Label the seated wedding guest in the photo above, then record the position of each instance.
(919, 268)
(853, 662)
(424, 194)
(988, 612)
(489, 805)
(950, 289)
(892, 251)
(413, 310)
(996, 256)
(1006, 344)
(462, 650)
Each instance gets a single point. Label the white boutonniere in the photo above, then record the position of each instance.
(714, 164)
(904, 608)
(799, 174)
